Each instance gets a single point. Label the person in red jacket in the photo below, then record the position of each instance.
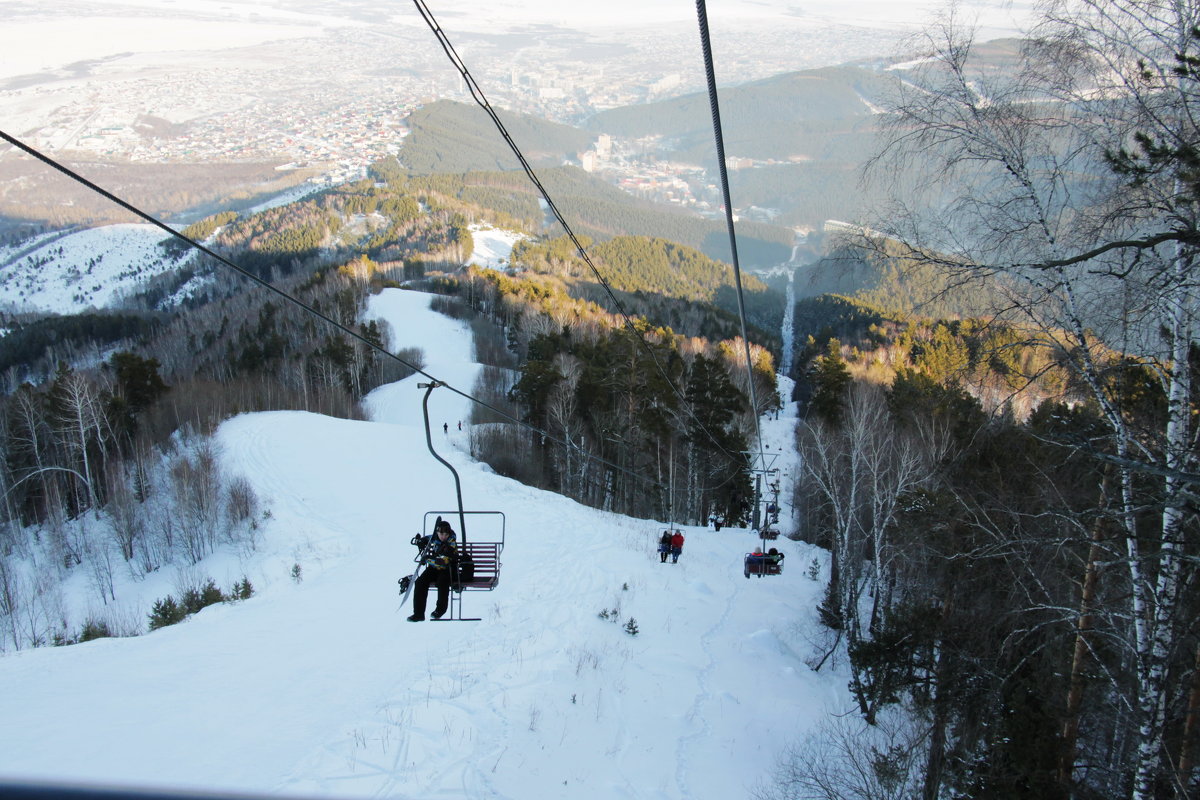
(664, 547)
(676, 546)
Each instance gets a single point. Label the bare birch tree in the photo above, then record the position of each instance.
(560, 411)
(80, 424)
(862, 470)
(1073, 182)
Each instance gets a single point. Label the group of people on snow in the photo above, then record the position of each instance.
(670, 544)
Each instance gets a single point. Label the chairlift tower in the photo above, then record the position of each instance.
(760, 465)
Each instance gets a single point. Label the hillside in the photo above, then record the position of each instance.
(457, 137)
(592, 207)
(315, 686)
(667, 283)
(807, 133)
(33, 196)
(80, 280)
(797, 115)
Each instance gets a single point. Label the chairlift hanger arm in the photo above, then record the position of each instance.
(462, 519)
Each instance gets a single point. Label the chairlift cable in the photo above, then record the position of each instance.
(706, 45)
(482, 101)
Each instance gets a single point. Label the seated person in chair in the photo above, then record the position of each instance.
(439, 556)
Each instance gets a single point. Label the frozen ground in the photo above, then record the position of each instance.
(493, 246)
(320, 688)
(71, 272)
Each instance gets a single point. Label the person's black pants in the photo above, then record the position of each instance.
(421, 590)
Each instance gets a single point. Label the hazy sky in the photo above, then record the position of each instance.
(41, 36)
(1000, 14)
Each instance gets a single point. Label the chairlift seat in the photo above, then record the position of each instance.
(489, 527)
(486, 558)
(760, 564)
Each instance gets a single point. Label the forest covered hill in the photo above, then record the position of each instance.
(457, 143)
(808, 134)
(445, 136)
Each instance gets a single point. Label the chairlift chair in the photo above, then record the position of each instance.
(484, 554)
(760, 564)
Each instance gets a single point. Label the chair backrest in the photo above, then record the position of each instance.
(483, 543)
(485, 558)
(759, 564)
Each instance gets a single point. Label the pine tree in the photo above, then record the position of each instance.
(830, 379)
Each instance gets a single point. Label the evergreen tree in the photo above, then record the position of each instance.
(830, 380)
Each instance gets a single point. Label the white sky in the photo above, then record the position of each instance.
(91, 29)
(614, 13)
(321, 689)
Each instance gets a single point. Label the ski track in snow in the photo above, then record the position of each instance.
(319, 688)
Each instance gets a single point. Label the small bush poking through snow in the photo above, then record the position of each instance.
(166, 612)
(241, 590)
(94, 629)
(196, 599)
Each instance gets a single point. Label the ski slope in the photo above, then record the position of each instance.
(318, 687)
(75, 271)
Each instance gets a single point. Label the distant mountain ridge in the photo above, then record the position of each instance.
(796, 142)
(446, 136)
(774, 118)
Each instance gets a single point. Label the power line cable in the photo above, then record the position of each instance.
(706, 45)
(482, 101)
(289, 298)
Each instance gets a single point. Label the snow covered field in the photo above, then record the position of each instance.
(86, 269)
(493, 246)
(72, 272)
(318, 687)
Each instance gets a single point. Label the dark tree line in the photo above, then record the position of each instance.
(977, 582)
(109, 468)
(642, 421)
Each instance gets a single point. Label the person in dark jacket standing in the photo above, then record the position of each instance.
(676, 546)
(439, 559)
(664, 547)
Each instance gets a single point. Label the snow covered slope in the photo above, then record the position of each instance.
(320, 688)
(72, 272)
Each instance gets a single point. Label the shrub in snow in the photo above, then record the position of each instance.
(241, 502)
(631, 627)
(241, 590)
(196, 599)
(94, 629)
(166, 612)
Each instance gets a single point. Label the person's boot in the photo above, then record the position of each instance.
(416, 618)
